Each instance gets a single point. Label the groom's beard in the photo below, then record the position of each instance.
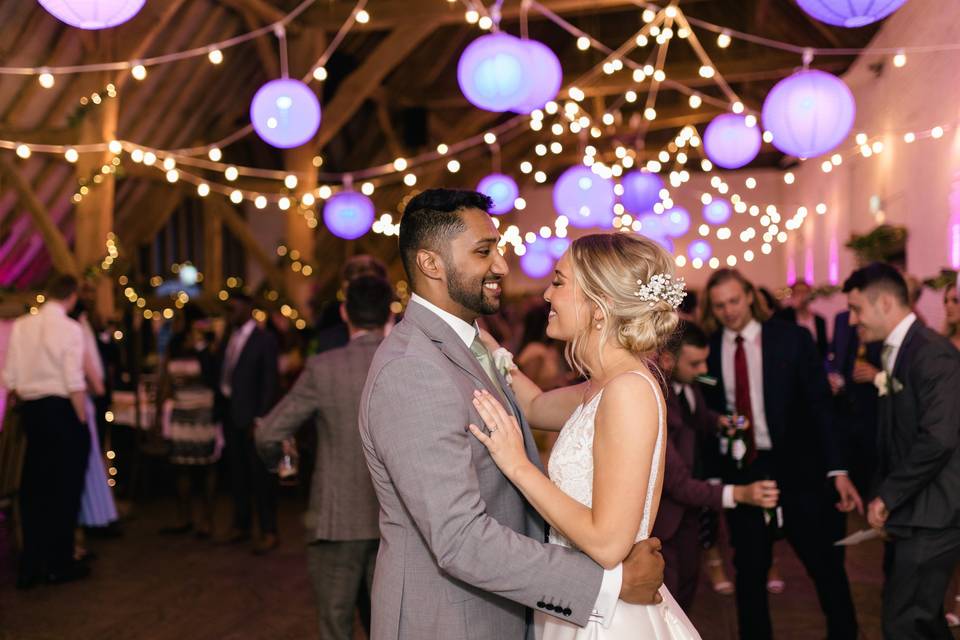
(471, 295)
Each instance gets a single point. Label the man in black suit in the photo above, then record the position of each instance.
(799, 313)
(917, 501)
(769, 372)
(852, 367)
(248, 389)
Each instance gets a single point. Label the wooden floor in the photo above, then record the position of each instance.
(149, 586)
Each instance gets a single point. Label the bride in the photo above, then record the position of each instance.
(613, 301)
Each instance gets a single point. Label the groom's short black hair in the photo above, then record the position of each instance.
(431, 218)
(879, 276)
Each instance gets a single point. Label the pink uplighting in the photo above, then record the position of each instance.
(955, 246)
(808, 266)
(834, 264)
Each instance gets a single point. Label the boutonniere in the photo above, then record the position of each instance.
(503, 361)
(886, 384)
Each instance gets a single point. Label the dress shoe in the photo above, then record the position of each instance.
(76, 571)
(235, 536)
(268, 543)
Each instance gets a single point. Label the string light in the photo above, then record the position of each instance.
(215, 56)
(46, 80)
(139, 72)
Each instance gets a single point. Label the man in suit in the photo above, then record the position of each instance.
(917, 500)
(769, 372)
(342, 518)
(853, 366)
(248, 388)
(331, 330)
(462, 553)
(799, 313)
(685, 495)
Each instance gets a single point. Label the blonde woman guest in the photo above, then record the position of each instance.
(613, 300)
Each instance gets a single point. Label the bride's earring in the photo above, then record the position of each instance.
(599, 326)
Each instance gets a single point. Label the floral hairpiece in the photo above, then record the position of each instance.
(662, 286)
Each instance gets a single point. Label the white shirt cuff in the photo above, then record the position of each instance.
(728, 501)
(609, 596)
(837, 472)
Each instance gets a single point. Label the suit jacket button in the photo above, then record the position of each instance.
(567, 612)
(541, 605)
(550, 607)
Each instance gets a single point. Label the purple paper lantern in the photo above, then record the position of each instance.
(730, 143)
(641, 190)
(809, 113)
(92, 14)
(285, 113)
(584, 197)
(493, 72)
(536, 263)
(557, 247)
(717, 212)
(699, 249)
(850, 13)
(653, 225)
(348, 214)
(545, 76)
(502, 189)
(676, 221)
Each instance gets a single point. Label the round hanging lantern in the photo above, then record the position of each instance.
(653, 225)
(348, 214)
(93, 14)
(641, 190)
(502, 189)
(545, 76)
(584, 197)
(717, 212)
(730, 143)
(557, 247)
(285, 113)
(537, 263)
(493, 72)
(699, 249)
(850, 13)
(676, 221)
(809, 113)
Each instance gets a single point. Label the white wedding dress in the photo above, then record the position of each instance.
(571, 469)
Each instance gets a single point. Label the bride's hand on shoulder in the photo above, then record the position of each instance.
(505, 439)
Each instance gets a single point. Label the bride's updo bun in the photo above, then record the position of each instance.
(610, 269)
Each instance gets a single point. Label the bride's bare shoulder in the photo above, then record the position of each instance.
(631, 394)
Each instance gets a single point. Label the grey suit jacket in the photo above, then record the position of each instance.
(343, 505)
(461, 552)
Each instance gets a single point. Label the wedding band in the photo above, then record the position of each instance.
(492, 430)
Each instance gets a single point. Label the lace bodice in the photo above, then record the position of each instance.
(571, 461)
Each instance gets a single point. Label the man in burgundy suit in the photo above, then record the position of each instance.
(684, 494)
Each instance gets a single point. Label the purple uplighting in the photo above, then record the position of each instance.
(699, 249)
(676, 221)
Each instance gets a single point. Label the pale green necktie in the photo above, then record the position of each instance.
(486, 361)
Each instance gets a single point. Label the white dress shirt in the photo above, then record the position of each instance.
(609, 596)
(895, 340)
(234, 348)
(752, 345)
(45, 356)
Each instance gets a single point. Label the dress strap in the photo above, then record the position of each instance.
(655, 465)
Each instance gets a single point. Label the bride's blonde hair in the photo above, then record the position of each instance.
(606, 267)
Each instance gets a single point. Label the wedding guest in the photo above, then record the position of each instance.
(798, 312)
(918, 496)
(689, 419)
(44, 368)
(331, 331)
(97, 507)
(769, 372)
(248, 388)
(951, 307)
(342, 520)
(190, 426)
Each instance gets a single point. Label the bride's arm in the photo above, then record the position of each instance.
(624, 440)
(546, 410)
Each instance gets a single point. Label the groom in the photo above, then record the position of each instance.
(918, 490)
(462, 554)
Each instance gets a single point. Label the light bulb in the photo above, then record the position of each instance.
(203, 189)
(215, 56)
(410, 179)
(723, 40)
(453, 166)
(706, 71)
(485, 23)
(23, 151)
(139, 72)
(236, 197)
(442, 149)
(899, 60)
(367, 188)
(173, 175)
(362, 16)
(472, 16)
(231, 173)
(489, 137)
(583, 43)
(695, 101)
(400, 164)
(214, 154)
(46, 80)
(149, 158)
(320, 74)
(260, 202)
(909, 137)
(71, 155)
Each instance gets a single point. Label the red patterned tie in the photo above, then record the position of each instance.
(741, 376)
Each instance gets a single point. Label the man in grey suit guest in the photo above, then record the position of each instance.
(462, 554)
(342, 529)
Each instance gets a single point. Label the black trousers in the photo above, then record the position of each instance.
(681, 556)
(918, 570)
(811, 526)
(250, 483)
(342, 576)
(58, 448)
